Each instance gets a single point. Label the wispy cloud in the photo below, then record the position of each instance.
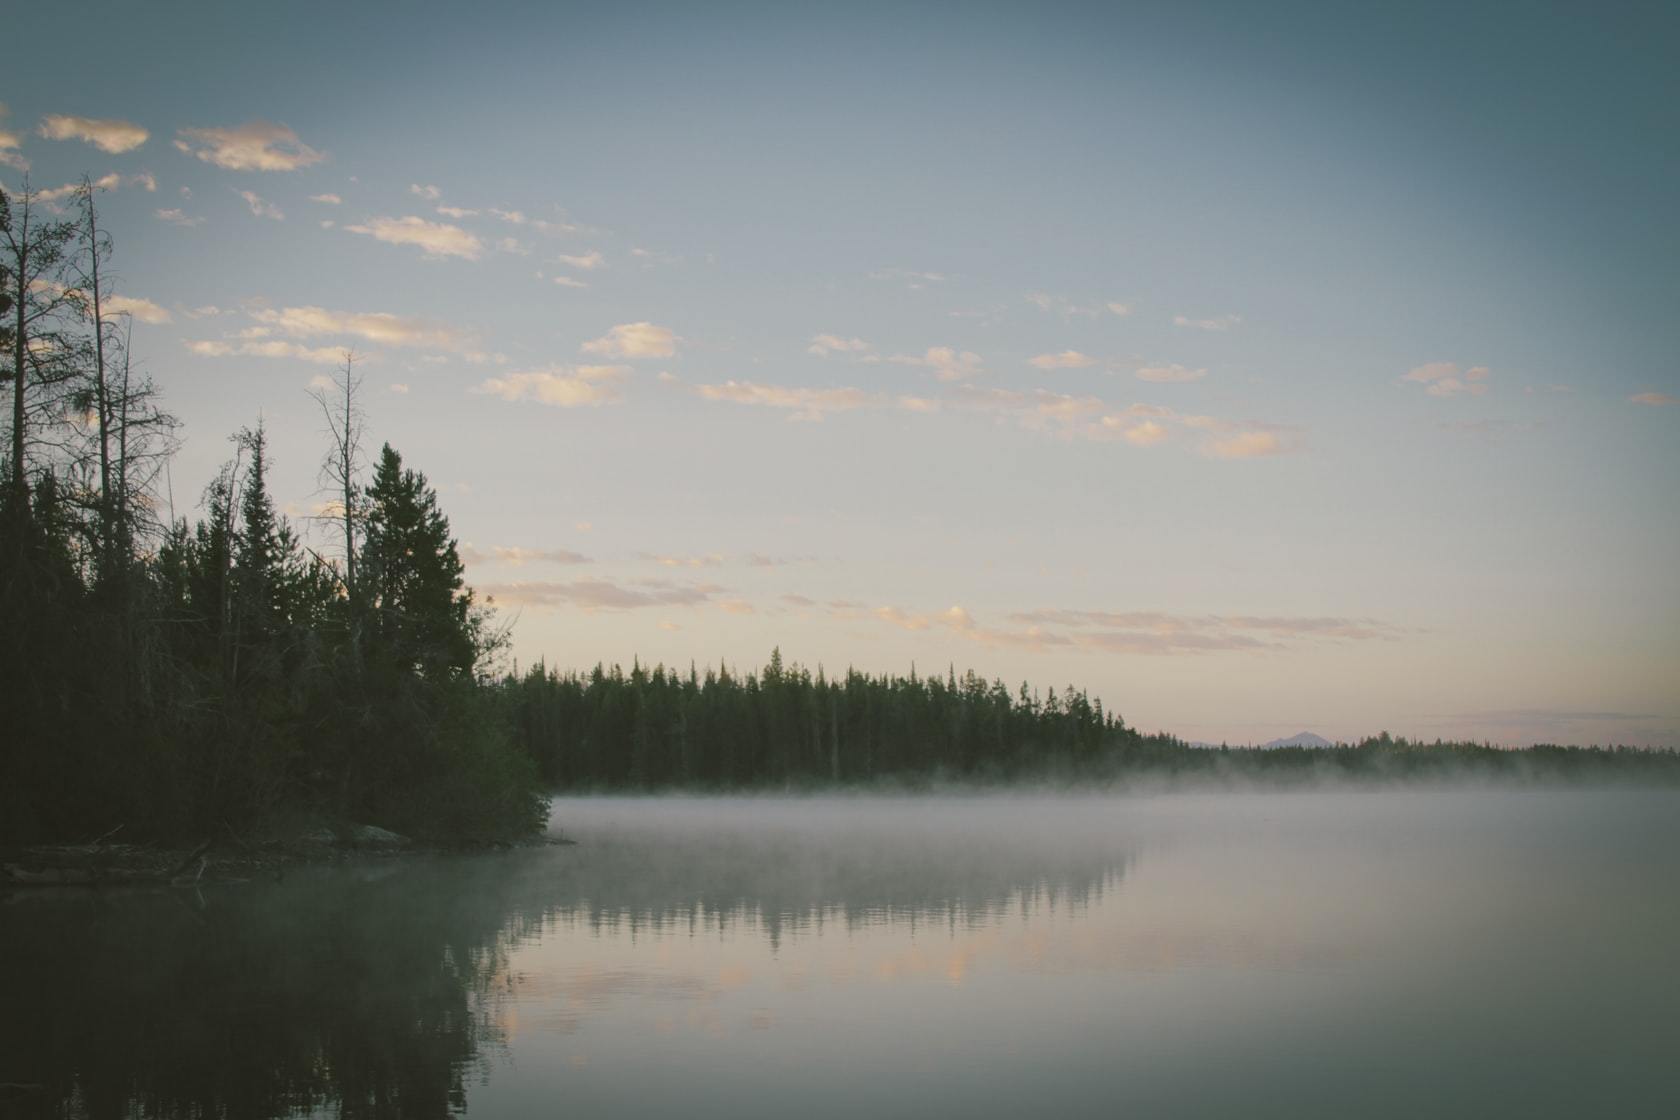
(177, 218)
(1443, 379)
(1068, 309)
(561, 386)
(255, 146)
(327, 199)
(261, 207)
(10, 142)
(1148, 633)
(434, 239)
(1144, 433)
(600, 594)
(947, 363)
(142, 309)
(701, 560)
(379, 327)
(824, 345)
(1215, 323)
(514, 556)
(913, 280)
(588, 261)
(800, 403)
(1067, 359)
(426, 192)
(1655, 400)
(634, 340)
(1246, 445)
(267, 348)
(107, 135)
(51, 195)
(1166, 374)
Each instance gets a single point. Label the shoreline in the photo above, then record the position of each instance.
(99, 865)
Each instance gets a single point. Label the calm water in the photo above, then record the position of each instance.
(1419, 954)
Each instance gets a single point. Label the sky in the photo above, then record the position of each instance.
(1257, 368)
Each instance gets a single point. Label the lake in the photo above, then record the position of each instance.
(1464, 952)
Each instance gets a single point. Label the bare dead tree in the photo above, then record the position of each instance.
(96, 250)
(145, 439)
(33, 262)
(341, 470)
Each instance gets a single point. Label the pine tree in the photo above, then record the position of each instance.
(422, 614)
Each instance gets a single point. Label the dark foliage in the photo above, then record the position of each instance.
(786, 727)
(208, 680)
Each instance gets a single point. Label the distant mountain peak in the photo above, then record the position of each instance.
(1302, 739)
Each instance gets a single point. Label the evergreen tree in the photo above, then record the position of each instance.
(422, 612)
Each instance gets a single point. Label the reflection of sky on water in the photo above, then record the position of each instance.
(1393, 954)
(1278, 956)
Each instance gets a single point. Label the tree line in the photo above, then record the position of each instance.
(784, 727)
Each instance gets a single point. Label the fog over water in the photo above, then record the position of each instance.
(1373, 953)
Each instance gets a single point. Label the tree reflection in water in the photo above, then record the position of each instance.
(375, 990)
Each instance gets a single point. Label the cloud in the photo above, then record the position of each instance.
(516, 557)
(456, 212)
(569, 282)
(1148, 633)
(142, 309)
(145, 180)
(634, 340)
(108, 136)
(653, 256)
(1442, 379)
(802, 404)
(10, 142)
(434, 239)
(588, 261)
(429, 193)
(512, 217)
(271, 348)
(260, 207)
(706, 560)
(371, 326)
(514, 245)
(398, 388)
(255, 146)
(1246, 445)
(1145, 434)
(915, 281)
(823, 345)
(561, 386)
(327, 199)
(1217, 323)
(51, 195)
(1141, 425)
(1067, 359)
(1067, 309)
(736, 606)
(1170, 373)
(946, 363)
(600, 594)
(1655, 400)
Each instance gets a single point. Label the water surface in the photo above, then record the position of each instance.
(1416, 953)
